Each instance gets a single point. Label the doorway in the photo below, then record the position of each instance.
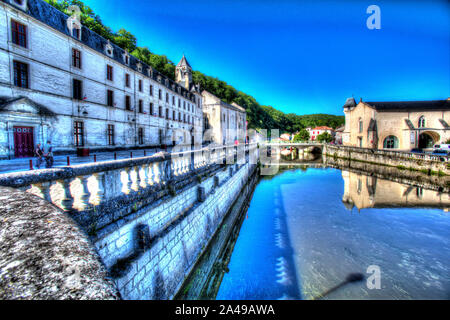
(23, 142)
(426, 141)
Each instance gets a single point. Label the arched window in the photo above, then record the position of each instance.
(390, 142)
(360, 122)
(422, 122)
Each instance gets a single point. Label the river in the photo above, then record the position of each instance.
(308, 229)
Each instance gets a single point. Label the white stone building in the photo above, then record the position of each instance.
(81, 91)
(223, 123)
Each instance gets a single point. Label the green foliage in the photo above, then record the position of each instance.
(447, 142)
(302, 136)
(325, 137)
(259, 117)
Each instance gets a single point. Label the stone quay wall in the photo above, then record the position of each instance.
(179, 229)
(432, 165)
(149, 218)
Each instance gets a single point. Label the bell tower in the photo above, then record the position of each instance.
(183, 73)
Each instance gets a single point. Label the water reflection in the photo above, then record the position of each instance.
(300, 229)
(363, 192)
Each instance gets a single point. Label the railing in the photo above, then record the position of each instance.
(396, 154)
(80, 187)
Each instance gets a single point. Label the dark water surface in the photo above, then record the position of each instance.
(307, 230)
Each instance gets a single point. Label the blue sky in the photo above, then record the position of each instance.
(302, 57)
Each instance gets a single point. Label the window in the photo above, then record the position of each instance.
(151, 90)
(167, 97)
(20, 74)
(76, 33)
(77, 89)
(173, 115)
(78, 133)
(141, 135)
(167, 113)
(110, 98)
(76, 58)
(127, 80)
(111, 134)
(390, 142)
(360, 125)
(422, 122)
(19, 33)
(184, 105)
(109, 73)
(179, 103)
(173, 100)
(151, 108)
(141, 107)
(140, 85)
(160, 112)
(179, 116)
(127, 103)
(160, 94)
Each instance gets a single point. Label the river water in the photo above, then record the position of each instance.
(308, 229)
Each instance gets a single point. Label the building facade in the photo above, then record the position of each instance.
(396, 125)
(62, 82)
(223, 123)
(314, 133)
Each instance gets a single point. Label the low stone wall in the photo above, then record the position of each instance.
(44, 255)
(432, 165)
(152, 253)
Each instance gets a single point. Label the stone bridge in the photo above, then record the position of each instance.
(293, 151)
(149, 219)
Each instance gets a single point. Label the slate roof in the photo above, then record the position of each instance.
(432, 105)
(184, 62)
(42, 110)
(350, 103)
(57, 20)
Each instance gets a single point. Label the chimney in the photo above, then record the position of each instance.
(360, 100)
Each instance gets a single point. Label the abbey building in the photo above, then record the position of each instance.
(77, 89)
(396, 125)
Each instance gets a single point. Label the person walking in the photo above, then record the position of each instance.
(40, 155)
(48, 154)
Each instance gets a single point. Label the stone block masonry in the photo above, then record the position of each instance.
(179, 228)
(149, 218)
(429, 164)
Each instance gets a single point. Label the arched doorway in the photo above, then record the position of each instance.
(428, 139)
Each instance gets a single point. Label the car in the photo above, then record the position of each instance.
(441, 147)
(416, 150)
(440, 153)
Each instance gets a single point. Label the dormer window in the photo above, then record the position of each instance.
(167, 82)
(109, 50)
(126, 58)
(74, 27)
(21, 4)
(159, 79)
(150, 72)
(139, 67)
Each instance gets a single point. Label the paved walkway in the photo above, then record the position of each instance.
(23, 164)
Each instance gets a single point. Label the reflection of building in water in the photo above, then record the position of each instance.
(371, 192)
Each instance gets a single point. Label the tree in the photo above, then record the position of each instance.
(302, 136)
(325, 137)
